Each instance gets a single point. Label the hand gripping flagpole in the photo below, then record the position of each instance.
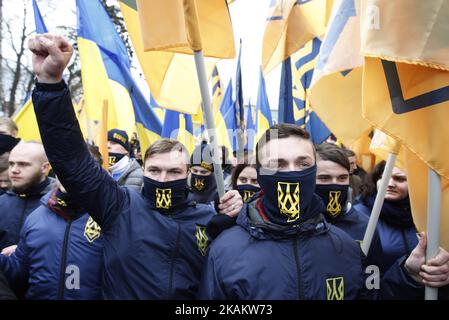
(433, 225)
(195, 41)
(374, 217)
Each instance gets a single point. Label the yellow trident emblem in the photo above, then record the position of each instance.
(199, 184)
(334, 206)
(92, 230)
(335, 288)
(247, 195)
(288, 200)
(202, 239)
(61, 202)
(163, 198)
(112, 160)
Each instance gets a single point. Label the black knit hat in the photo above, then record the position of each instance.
(7, 143)
(120, 137)
(202, 156)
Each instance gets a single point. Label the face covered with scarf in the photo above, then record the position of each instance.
(286, 174)
(165, 180)
(332, 185)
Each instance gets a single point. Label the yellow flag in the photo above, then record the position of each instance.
(336, 89)
(417, 179)
(290, 25)
(406, 80)
(365, 158)
(27, 123)
(166, 72)
(184, 26)
(25, 119)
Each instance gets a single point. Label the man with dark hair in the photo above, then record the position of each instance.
(332, 185)
(125, 170)
(155, 241)
(28, 167)
(283, 248)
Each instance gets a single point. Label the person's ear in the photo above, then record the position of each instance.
(45, 168)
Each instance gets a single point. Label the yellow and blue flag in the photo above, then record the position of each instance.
(336, 88)
(294, 102)
(290, 25)
(106, 76)
(38, 20)
(406, 90)
(178, 126)
(226, 121)
(263, 112)
(166, 72)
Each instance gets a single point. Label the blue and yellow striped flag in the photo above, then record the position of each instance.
(294, 106)
(290, 25)
(263, 112)
(178, 126)
(106, 76)
(226, 121)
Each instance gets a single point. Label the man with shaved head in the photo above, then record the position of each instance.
(28, 167)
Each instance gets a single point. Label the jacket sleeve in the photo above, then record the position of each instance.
(16, 266)
(5, 291)
(67, 153)
(396, 284)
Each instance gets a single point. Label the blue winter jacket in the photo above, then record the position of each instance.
(396, 242)
(60, 259)
(259, 260)
(147, 254)
(354, 224)
(15, 208)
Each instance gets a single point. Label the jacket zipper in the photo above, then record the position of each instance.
(22, 217)
(298, 269)
(63, 262)
(172, 263)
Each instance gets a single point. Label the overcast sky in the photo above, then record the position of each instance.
(248, 18)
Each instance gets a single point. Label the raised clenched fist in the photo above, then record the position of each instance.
(51, 55)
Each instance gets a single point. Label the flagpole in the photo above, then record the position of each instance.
(433, 225)
(209, 120)
(374, 217)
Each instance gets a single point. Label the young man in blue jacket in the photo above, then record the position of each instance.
(60, 252)
(154, 241)
(283, 248)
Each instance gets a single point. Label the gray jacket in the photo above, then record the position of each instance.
(133, 176)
